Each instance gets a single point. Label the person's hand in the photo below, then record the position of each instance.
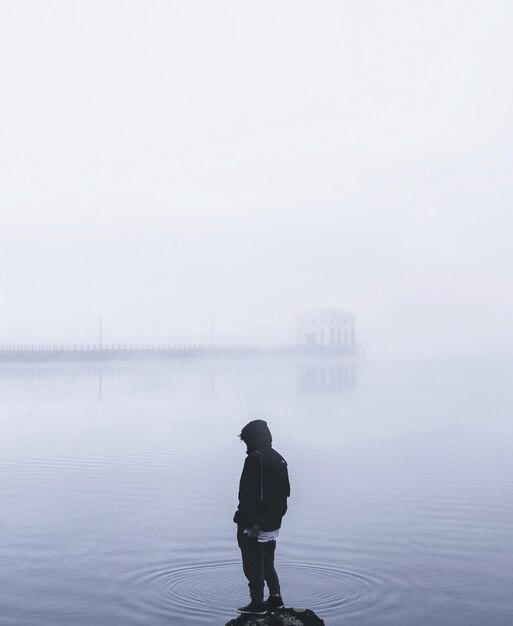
(253, 532)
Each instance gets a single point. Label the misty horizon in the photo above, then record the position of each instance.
(170, 165)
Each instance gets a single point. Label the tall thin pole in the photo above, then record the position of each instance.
(212, 334)
(100, 333)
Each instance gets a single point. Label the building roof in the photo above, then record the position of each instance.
(326, 313)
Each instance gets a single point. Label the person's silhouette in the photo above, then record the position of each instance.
(263, 491)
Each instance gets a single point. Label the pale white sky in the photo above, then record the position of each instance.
(167, 163)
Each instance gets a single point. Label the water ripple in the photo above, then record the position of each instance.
(211, 589)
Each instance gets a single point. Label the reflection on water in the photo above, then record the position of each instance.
(118, 484)
(100, 385)
(327, 376)
(313, 375)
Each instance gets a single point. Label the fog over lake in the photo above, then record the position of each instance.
(173, 164)
(197, 173)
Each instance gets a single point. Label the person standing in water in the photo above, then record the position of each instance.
(263, 491)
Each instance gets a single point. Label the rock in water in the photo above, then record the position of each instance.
(282, 617)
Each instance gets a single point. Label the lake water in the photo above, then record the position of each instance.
(118, 483)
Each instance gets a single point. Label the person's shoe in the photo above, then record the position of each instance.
(253, 608)
(274, 602)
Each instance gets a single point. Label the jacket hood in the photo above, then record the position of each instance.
(256, 435)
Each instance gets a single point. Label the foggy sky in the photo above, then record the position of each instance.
(164, 164)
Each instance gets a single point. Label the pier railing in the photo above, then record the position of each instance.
(85, 351)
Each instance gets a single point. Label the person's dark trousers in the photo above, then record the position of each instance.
(258, 565)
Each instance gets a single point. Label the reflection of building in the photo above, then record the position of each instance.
(326, 327)
(324, 377)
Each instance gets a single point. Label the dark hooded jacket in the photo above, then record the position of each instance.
(262, 462)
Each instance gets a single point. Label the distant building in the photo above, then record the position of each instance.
(326, 327)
